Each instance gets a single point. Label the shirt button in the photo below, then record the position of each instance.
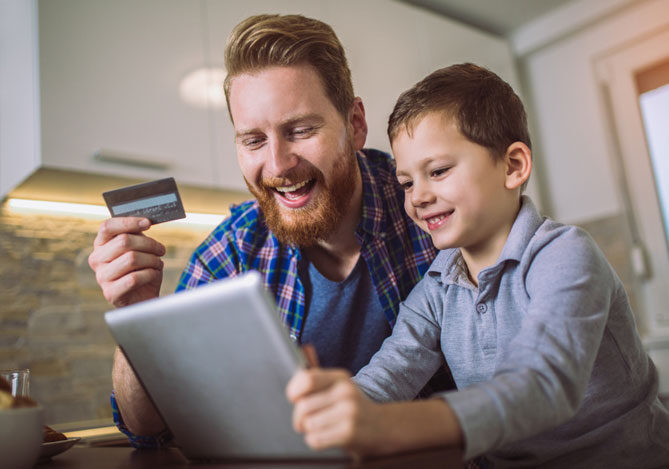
(481, 308)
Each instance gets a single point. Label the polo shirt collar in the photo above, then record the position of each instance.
(450, 267)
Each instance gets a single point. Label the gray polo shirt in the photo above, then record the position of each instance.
(545, 353)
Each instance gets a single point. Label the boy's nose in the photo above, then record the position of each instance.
(280, 157)
(421, 195)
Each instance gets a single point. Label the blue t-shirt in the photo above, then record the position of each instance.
(344, 320)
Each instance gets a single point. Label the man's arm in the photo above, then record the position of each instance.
(128, 268)
(139, 414)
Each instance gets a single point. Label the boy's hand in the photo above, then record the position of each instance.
(332, 411)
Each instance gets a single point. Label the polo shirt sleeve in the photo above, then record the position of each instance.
(541, 379)
(409, 357)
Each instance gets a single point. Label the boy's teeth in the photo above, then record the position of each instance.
(292, 188)
(436, 219)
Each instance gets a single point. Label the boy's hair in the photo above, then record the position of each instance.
(485, 108)
(284, 40)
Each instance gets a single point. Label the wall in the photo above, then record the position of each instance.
(51, 309)
(570, 127)
(50, 306)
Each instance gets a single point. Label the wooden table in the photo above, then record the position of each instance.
(126, 457)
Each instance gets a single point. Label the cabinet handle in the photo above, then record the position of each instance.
(128, 159)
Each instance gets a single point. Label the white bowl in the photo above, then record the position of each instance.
(20, 436)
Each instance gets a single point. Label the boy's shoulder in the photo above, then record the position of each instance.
(534, 241)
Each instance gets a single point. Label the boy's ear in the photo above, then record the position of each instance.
(358, 123)
(518, 161)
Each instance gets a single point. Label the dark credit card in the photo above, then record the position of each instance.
(159, 201)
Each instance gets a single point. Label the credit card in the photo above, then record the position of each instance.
(159, 201)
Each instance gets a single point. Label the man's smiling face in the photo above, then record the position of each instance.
(296, 152)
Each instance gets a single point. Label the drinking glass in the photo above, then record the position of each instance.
(19, 380)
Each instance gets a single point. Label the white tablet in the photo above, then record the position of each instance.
(215, 360)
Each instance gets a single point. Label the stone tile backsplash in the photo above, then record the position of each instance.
(51, 309)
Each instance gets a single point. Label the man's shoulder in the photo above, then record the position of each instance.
(379, 163)
(245, 223)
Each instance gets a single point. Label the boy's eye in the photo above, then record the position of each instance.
(439, 171)
(406, 185)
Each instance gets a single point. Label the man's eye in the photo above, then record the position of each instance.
(302, 131)
(252, 142)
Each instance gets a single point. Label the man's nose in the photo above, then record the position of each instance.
(281, 157)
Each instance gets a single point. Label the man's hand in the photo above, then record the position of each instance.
(126, 262)
(332, 411)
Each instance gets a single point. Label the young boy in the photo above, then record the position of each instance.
(527, 313)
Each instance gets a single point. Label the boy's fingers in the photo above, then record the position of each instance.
(338, 400)
(313, 380)
(117, 225)
(332, 412)
(336, 435)
(311, 404)
(310, 354)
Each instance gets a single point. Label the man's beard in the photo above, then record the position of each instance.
(305, 226)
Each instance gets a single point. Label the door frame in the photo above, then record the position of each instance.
(649, 256)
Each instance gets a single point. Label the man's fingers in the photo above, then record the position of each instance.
(124, 243)
(119, 288)
(117, 225)
(126, 263)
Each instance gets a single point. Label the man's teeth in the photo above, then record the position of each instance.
(292, 188)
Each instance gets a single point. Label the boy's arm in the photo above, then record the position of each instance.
(542, 373)
(332, 412)
(411, 355)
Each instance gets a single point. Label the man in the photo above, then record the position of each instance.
(327, 231)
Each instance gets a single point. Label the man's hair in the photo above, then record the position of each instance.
(484, 107)
(286, 40)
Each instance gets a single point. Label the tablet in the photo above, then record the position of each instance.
(215, 361)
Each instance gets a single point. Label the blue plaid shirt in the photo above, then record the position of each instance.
(396, 251)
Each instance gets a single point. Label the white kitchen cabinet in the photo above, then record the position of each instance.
(110, 75)
(110, 72)
(19, 93)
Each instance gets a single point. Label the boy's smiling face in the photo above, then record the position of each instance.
(454, 189)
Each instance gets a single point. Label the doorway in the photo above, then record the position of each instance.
(635, 97)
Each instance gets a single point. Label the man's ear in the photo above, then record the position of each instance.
(357, 121)
(518, 161)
